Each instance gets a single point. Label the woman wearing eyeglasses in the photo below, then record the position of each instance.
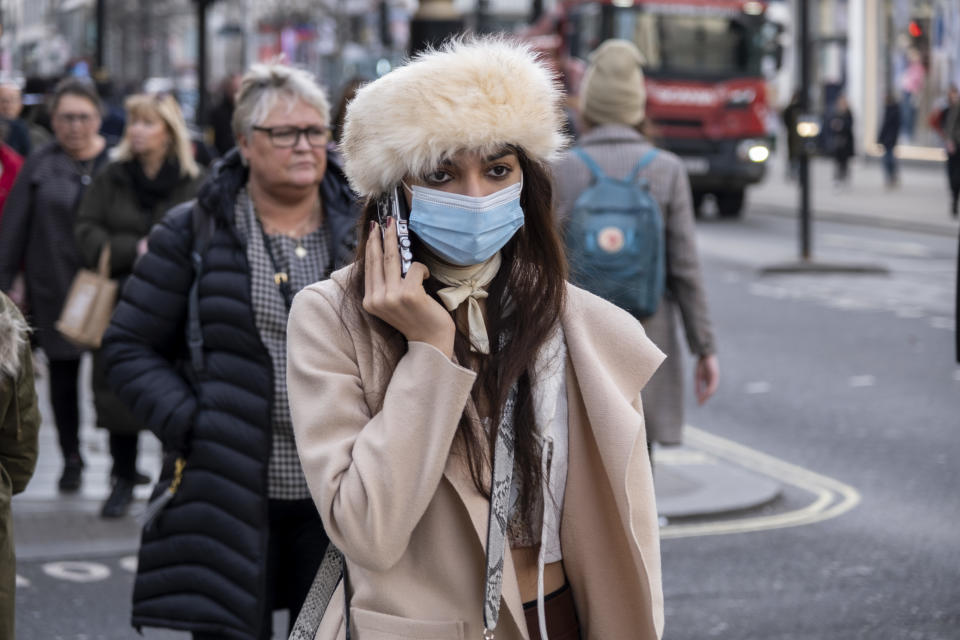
(36, 234)
(241, 536)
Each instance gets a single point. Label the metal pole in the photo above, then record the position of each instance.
(201, 115)
(146, 39)
(101, 22)
(804, 49)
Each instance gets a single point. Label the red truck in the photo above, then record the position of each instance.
(706, 91)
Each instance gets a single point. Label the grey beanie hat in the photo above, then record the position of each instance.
(613, 91)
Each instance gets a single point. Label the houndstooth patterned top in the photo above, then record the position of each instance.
(285, 479)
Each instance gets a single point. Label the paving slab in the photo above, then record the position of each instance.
(693, 483)
(919, 203)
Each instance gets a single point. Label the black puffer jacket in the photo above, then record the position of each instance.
(202, 564)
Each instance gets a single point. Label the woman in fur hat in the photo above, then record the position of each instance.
(471, 432)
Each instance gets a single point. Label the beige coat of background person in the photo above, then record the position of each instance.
(617, 149)
(375, 430)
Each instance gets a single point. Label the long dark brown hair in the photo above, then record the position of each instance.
(524, 303)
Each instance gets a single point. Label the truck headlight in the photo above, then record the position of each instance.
(758, 153)
(754, 151)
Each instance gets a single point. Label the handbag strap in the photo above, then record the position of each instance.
(332, 570)
(500, 484)
(103, 265)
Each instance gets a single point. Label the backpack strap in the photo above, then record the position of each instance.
(592, 165)
(643, 163)
(203, 226)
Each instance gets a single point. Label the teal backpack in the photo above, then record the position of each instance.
(615, 239)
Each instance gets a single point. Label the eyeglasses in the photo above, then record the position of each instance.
(74, 118)
(287, 137)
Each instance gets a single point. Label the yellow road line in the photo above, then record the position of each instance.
(831, 497)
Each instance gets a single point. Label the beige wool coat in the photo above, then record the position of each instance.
(617, 149)
(375, 425)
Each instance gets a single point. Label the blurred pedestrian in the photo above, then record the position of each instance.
(114, 118)
(19, 426)
(951, 134)
(889, 132)
(911, 86)
(11, 108)
(790, 116)
(403, 390)
(10, 164)
(221, 115)
(14, 134)
(36, 232)
(152, 170)
(956, 315)
(614, 110)
(241, 537)
(840, 140)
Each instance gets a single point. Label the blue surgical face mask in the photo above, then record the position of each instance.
(465, 230)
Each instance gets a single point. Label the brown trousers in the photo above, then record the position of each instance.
(561, 616)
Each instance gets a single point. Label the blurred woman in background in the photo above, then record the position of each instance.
(37, 233)
(152, 170)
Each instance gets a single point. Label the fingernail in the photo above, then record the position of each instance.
(373, 226)
(389, 221)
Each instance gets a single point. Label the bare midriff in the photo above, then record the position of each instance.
(525, 562)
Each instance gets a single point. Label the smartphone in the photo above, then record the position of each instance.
(395, 205)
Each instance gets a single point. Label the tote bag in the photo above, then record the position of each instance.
(89, 305)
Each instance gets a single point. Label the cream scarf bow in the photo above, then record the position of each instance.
(467, 283)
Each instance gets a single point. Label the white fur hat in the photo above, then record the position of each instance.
(475, 94)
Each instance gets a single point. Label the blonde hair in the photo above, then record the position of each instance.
(167, 109)
(264, 84)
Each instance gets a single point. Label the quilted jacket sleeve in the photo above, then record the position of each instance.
(146, 333)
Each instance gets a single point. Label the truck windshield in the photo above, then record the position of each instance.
(702, 45)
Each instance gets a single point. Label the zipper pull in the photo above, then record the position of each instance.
(149, 516)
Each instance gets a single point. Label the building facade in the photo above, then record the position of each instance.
(867, 49)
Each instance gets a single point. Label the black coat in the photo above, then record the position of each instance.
(890, 129)
(36, 233)
(840, 133)
(110, 212)
(790, 115)
(202, 565)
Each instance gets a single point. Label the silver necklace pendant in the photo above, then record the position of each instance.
(300, 250)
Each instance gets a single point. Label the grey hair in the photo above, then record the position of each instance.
(264, 84)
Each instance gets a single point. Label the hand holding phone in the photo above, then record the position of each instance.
(395, 205)
(402, 302)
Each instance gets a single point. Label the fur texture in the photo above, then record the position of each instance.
(475, 94)
(13, 336)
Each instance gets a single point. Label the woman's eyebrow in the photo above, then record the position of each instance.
(496, 155)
